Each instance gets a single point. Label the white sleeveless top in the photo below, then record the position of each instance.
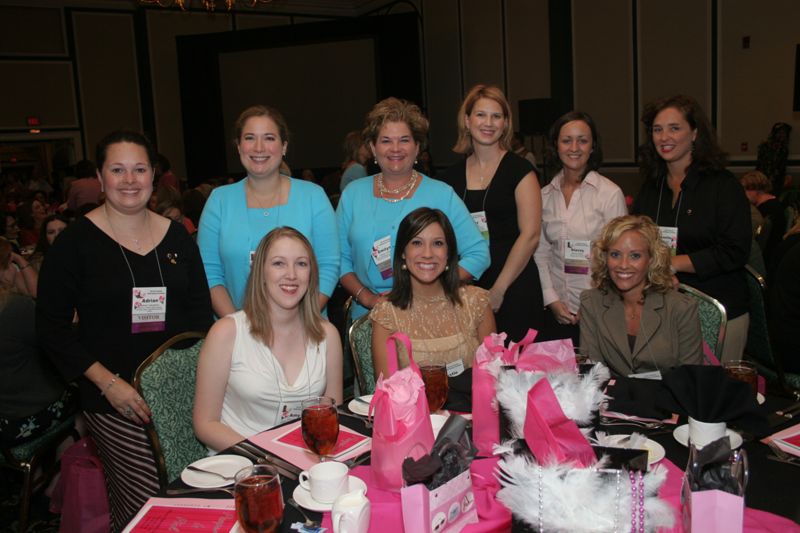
(257, 389)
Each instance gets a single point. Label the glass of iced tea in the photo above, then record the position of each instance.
(320, 425)
(259, 501)
(743, 371)
(435, 377)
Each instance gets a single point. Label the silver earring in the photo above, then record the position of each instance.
(403, 267)
(447, 267)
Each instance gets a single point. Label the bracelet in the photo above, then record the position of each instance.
(110, 384)
(673, 269)
(359, 292)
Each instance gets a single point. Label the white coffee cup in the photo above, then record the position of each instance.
(351, 513)
(325, 481)
(702, 433)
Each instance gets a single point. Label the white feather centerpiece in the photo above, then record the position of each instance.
(578, 395)
(563, 498)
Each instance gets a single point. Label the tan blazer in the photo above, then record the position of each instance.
(669, 332)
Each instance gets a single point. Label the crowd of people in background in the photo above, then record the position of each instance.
(445, 255)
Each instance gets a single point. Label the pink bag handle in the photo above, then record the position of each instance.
(391, 351)
(510, 356)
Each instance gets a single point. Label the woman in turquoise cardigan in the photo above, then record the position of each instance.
(371, 208)
(237, 216)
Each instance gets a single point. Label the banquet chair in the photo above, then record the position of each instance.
(713, 318)
(759, 348)
(360, 335)
(30, 456)
(166, 381)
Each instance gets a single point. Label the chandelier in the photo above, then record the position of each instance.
(209, 5)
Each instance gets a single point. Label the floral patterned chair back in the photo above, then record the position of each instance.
(360, 336)
(713, 318)
(166, 380)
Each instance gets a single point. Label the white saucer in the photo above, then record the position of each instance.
(227, 465)
(303, 496)
(681, 435)
(655, 451)
(360, 408)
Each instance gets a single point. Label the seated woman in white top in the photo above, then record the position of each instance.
(258, 364)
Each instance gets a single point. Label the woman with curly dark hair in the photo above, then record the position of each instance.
(700, 208)
(633, 286)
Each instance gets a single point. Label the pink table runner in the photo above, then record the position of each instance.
(387, 516)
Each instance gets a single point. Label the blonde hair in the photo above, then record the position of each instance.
(256, 305)
(659, 275)
(395, 110)
(755, 181)
(464, 142)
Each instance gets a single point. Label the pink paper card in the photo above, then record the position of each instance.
(787, 440)
(346, 441)
(184, 514)
(295, 450)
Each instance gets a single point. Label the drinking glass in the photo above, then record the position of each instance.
(435, 378)
(259, 501)
(320, 425)
(743, 371)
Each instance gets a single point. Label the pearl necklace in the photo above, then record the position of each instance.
(407, 187)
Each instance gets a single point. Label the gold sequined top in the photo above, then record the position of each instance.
(439, 331)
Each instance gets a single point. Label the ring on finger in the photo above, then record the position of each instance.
(128, 411)
(138, 399)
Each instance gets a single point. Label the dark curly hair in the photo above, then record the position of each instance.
(707, 156)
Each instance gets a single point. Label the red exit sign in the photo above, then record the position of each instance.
(33, 121)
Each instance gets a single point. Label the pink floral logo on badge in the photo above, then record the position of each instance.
(161, 299)
(137, 293)
(137, 305)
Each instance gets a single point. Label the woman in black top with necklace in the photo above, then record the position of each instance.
(502, 193)
(699, 206)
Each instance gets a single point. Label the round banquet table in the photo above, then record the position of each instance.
(774, 487)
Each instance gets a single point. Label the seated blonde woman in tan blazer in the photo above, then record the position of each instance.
(633, 320)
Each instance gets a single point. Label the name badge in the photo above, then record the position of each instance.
(653, 374)
(455, 368)
(148, 309)
(669, 236)
(479, 217)
(290, 411)
(576, 256)
(382, 256)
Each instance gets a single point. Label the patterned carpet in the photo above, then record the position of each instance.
(41, 520)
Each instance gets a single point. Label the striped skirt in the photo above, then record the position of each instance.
(128, 462)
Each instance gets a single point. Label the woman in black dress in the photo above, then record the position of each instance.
(502, 193)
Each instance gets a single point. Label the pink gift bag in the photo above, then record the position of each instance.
(402, 423)
(551, 436)
(447, 509)
(491, 355)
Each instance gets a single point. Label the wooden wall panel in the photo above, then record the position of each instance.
(527, 51)
(443, 65)
(43, 89)
(756, 84)
(248, 22)
(603, 80)
(675, 50)
(162, 28)
(482, 42)
(105, 52)
(32, 31)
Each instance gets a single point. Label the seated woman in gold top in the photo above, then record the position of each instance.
(445, 321)
(633, 320)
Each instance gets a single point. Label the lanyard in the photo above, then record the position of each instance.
(658, 210)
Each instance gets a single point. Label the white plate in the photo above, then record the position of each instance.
(227, 465)
(655, 451)
(760, 398)
(437, 421)
(360, 408)
(303, 496)
(681, 435)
